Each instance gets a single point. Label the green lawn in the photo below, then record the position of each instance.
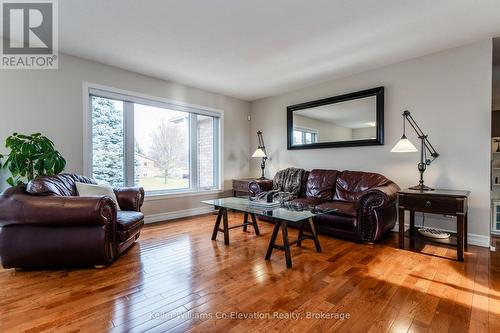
(158, 183)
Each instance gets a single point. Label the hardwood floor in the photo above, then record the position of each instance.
(176, 279)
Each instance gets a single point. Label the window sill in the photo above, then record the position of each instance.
(162, 196)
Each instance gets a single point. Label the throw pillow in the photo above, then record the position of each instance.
(91, 190)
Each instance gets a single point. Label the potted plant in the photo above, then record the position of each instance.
(31, 156)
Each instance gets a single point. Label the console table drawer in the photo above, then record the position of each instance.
(241, 185)
(432, 204)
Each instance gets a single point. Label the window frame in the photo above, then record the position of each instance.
(303, 131)
(129, 97)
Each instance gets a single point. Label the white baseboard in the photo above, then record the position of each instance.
(472, 239)
(153, 218)
(478, 240)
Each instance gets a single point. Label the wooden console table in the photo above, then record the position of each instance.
(240, 186)
(444, 202)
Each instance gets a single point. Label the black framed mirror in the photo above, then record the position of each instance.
(355, 119)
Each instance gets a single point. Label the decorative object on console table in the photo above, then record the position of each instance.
(498, 145)
(405, 146)
(240, 186)
(261, 153)
(495, 167)
(444, 202)
(495, 228)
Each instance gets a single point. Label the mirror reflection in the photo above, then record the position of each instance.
(344, 121)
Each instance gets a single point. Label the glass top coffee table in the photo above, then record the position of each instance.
(280, 216)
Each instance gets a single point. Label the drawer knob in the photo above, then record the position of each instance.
(428, 203)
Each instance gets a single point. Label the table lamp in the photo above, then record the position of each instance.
(405, 146)
(261, 153)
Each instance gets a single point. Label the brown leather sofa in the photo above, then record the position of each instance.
(45, 224)
(365, 202)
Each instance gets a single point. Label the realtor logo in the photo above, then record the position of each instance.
(29, 34)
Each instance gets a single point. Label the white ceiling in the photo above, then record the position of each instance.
(253, 49)
(358, 113)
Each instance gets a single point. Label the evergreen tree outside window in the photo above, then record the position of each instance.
(107, 141)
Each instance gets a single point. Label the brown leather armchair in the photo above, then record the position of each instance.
(45, 224)
(365, 202)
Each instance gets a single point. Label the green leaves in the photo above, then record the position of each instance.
(31, 156)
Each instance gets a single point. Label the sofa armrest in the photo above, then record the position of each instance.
(378, 207)
(257, 186)
(388, 192)
(130, 198)
(23, 209)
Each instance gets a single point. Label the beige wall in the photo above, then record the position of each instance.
(50, 101)
(449, 94)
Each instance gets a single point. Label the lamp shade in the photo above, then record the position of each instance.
(404, 146)
(259, 153)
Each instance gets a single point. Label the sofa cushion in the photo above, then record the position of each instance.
(321, 184)
(128, 219)
(311, 202)
(351, 185)
(124, 235)
(60, 185)
(345, 208)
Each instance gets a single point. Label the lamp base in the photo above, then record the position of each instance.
(262, 178)
(421, 188)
